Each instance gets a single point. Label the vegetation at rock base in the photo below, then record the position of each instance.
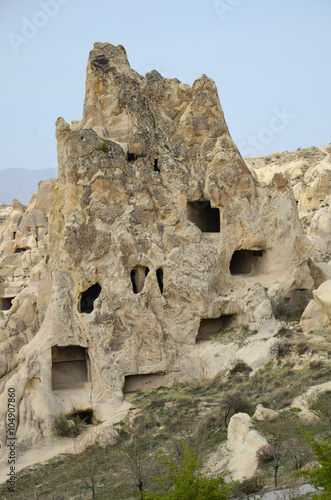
(320, 476)
(69, 425)
(196, 414)
(186, 481)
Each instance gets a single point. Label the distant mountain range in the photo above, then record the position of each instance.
(21, 183)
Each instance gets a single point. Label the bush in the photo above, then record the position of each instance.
(65, 426)
(320, 477)
(186, 481)
(285, 332)
(234, 403)
(280, 349)
(248, 487)
(240, 367)
(103, 147)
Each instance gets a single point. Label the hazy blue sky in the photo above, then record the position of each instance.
(270, 60)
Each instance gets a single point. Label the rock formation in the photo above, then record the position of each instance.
(309, 171)
(158, 239)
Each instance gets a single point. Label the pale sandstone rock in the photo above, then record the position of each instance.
(309, 171)
(313, 317)
(323, 297)
(326, 269)
(262, 413)
(238, 429)
(301, 401)
(154, 232)
(244, 443)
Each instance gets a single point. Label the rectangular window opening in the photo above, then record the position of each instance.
(206, 218)
(6, 303)
(69, 367)
(143, 382)
(247, 261)
(211, 327)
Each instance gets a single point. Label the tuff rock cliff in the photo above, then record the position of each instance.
(154, 238)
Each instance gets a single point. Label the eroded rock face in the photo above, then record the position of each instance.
(158, 238)
(309, 171)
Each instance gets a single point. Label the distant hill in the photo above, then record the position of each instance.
(21, 183)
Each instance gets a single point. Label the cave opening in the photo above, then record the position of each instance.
(143, 382)
(131, 157)
(21, 249)
(69, 367)
(204, 216)
(245, 261)
(6, 303)
(210, 327)
(159, 276)
(156, 168)
(138, 276)
(88, 297)
(86, 417)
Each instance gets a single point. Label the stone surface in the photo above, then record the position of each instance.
(244, 443)
(152, 241)
(262, 413)
(323, 297)
(309, 171)
(313, 318)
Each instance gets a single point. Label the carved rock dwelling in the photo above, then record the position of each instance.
(154, 239)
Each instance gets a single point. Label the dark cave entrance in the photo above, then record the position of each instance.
(210, 327)
(88, 298)
(138, 276)
(159, 276)
(86, 417)
(204, 216)
(156, 168)
(6, 303)
(245, 261)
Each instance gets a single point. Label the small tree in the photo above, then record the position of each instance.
(134, 457)
(234, 403)
(186, 481)
(277, 433)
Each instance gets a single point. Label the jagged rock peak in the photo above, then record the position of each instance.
(148, 114)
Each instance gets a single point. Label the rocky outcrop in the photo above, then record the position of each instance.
(309, 171)
(238, 456)
(158, 239)
(318, 312)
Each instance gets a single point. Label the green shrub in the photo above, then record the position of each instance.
(186, 481)
(103, 146)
